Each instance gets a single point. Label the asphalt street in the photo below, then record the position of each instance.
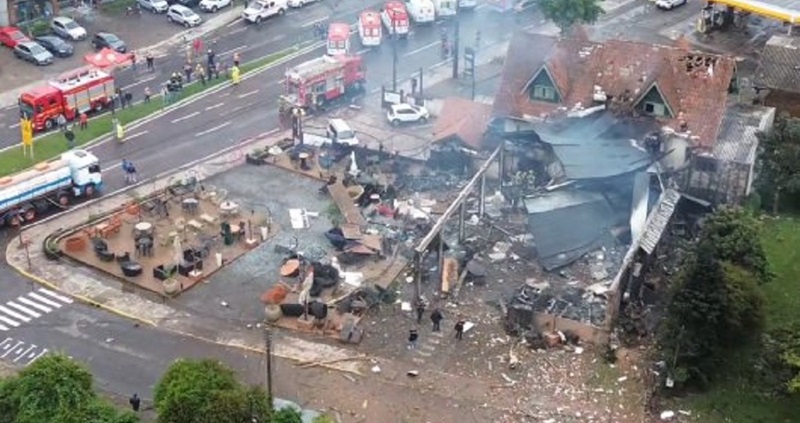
(255, 41)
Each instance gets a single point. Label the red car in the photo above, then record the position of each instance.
(11, 36)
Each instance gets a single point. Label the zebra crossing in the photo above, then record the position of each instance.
(20, 352)
(30, 306)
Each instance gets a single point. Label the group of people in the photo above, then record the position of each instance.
(129, 169)
(436, 318)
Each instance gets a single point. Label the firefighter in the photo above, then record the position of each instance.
(235, 76)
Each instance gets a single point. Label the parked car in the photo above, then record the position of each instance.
(67, 28)
(55, 45)
(407, 113)
(669, 4)
(183, 15)
(10, 36)
(106, 39)
(155, 6)
(29, 51)
(339, 131)
(257, 11)
(213, 5)
(188, 3)
(300, 3)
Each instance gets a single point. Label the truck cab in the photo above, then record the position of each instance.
(42, 105)
(259, 10)
(421, 11)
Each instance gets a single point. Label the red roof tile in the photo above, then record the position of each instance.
(464, 119)
(693, 84)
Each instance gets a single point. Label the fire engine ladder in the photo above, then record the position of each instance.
(319, 66)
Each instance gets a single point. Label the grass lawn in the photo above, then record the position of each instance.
(53, 144)
(735, 399)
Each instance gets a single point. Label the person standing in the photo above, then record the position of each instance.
(420, 310)
(197, 44)
(83, 121)
(460, 328)
(235, 77)
(133, 60)
(210, 63)
(236, 59)
(70, 136)
(150, 61)
(135, 402)
(147, 94)
(61, 121)
(187, 70)
(413, 339)
(201, 73)
(436, 318)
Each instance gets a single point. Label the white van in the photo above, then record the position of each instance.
(421, 11)
(467, 4)
(257, 11)
(339, 131)
(446, 8)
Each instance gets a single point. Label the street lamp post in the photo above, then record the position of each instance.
(456, 47)
(394, 56)
(268, 352)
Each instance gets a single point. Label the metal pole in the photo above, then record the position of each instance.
(501, 162)
(440, 256)
(394, 56)
(455, 50)
(417, 275)
(462, 214)
(268, 347)
(482, 202)
(420, 84)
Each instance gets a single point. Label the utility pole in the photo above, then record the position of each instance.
(469, 67)
(421, 84)
(268, 352)
(456, 48)
(394, 56)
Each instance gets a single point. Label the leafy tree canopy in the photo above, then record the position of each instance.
(779, 158)
(732, 233)
(206, 391)
(567, 13)
(55, 389)
(287, 415)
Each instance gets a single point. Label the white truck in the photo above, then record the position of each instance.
(25, 195)
(260, 10)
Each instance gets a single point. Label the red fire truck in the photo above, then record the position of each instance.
(71, 94)
(318, 82)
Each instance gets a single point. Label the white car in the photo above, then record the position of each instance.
(213, 5)
(300, 3)
(407, 113)
(669, 4)
(67, 28)
(257, 11)
(183, 15)
(155, 6)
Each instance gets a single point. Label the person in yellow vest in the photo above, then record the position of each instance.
(235, 76)
(120, 131)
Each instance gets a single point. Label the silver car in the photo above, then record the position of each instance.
(30, 51)
(183, 15)
(67, 28)
(155, 6)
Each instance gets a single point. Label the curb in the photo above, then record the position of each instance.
(81, 298)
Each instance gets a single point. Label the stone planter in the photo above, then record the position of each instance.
(255, 160)
(273, 313)
(171, 286)
(51, 250)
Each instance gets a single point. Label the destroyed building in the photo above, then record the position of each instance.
(615, 134)
(777, 81)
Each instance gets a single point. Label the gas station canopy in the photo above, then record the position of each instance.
(783, 10)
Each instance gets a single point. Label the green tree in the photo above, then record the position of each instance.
(691, 337)
(323, 419)
(206, 391)
(745, 315)
(733, 235)
(567, 13)
(55, 389)
(779, 158)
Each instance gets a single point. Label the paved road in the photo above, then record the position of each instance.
(250, 41)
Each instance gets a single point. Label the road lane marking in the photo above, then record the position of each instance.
(233, 50)
(366, 50)
(423, 48)
(24, 309)
(14, 314)
(138, 134)
(248, 94)
(43, 352)
(215, 106)
(16, 125)
(310, 23)
(235, 21)
(8, 321)
(44, 300)
(138, 83)
(55, 295)
(237, 30)
(189, 116)
(3, 328)
(10, 350)
(20, 356)
(34, 304)
(216, 128)
(5, 344)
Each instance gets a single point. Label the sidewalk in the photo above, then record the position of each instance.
(110, 294)
(148, 32)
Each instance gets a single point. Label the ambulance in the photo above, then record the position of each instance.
(395, 18)
(369, 28)
(338, 38)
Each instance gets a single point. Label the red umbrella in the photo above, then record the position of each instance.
(107, 58)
